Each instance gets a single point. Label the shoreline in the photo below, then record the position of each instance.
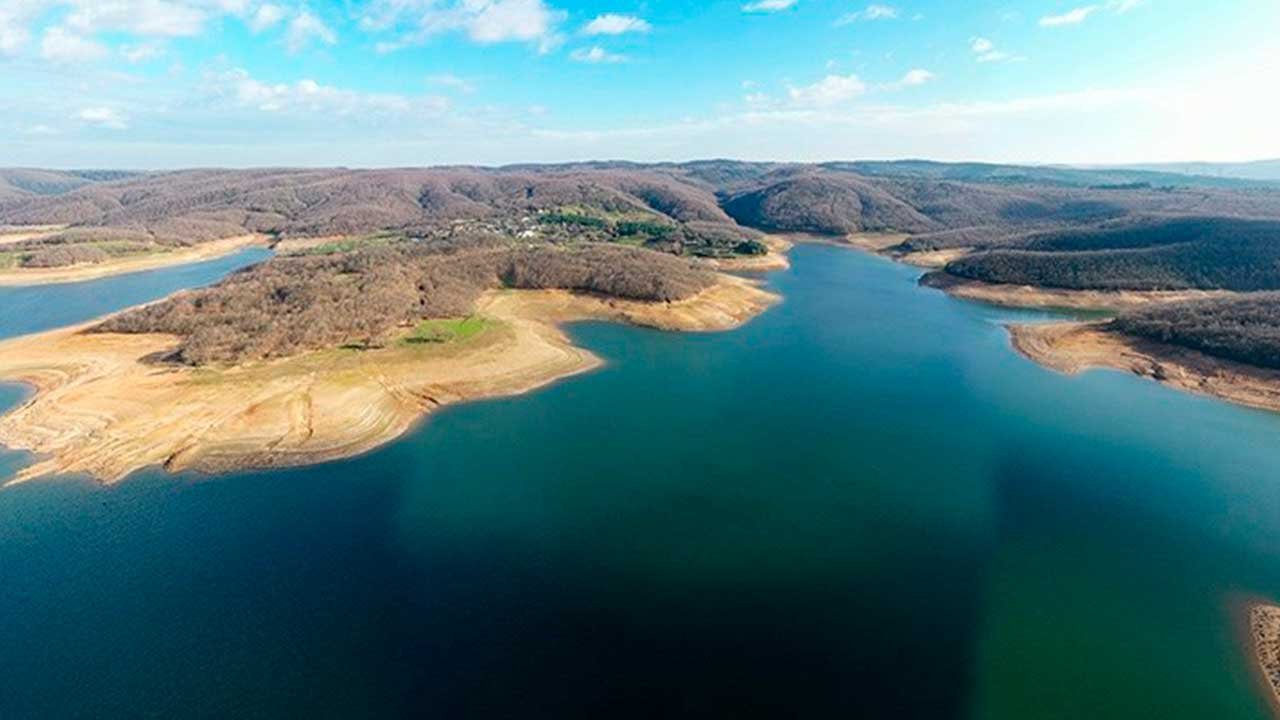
(99, 408)
(776, 259)
(1074, 347)
(1033, 297)
(212, 250)
(1257, 625)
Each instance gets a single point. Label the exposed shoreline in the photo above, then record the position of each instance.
(21, 277)
(776, 259)
(101, 409)
(1035, 297)
(1258, 628)
(1073, 347)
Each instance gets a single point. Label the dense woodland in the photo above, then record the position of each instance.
(1163, 254)
(306, 302)
(1245, 329)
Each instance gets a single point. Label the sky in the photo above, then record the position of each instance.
(150, 84)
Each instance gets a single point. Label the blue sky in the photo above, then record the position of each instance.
(173, 83)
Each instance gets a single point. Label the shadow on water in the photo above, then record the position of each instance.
(1101, 602)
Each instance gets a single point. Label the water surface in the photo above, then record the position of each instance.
(33, 308)
(862, 504)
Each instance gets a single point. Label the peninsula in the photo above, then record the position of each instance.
(394, 292)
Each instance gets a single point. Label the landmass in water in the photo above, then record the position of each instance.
(1184, 265)
(396, 292)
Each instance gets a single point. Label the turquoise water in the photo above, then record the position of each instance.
(861, 504)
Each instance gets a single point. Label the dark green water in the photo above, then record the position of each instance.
(863, 504)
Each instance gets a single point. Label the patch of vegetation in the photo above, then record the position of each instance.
(348, 244)
(562, 217)
(646, 230)
(447, 330)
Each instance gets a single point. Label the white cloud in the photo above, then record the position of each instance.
(1123, 6)
(141, 52)
(596, 54)
(830, 91)
(265, 16)
(614, 24)
(482, 21)
(12, 39)
(139, 17)
(238, 89)
(450, 80)
(768, 6)
(15, 16)
(85, 20)
(870, 12)
(985, 51)
(104, 117)
(1071, 17)
(60, 46)
(1082, 13)
(305, 27)
(918, 76)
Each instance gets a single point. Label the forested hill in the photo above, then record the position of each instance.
(702, 208)
(1208, 253)
(1245, 329)
(422, 242)
(18, 184)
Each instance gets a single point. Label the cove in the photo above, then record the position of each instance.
(863, 503)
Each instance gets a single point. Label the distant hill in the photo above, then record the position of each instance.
(23, 183)
(1152, 176)
(1258, 170)
(707, 208)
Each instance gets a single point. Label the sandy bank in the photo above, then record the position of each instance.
(776, 259)
(78, 273)
(1259, 622)
(1072, 348)
(887, 244)
(1030, 296)
(100, 409)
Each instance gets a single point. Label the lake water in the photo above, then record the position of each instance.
(862, 504)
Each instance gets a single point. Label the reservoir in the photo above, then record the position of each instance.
(861, 504)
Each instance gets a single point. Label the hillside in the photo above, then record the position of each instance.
(1206, 253)
(292, 304)
(19, 184)
(1245, 329)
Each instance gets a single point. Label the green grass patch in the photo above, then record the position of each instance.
(346, 245)
(447, 330)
